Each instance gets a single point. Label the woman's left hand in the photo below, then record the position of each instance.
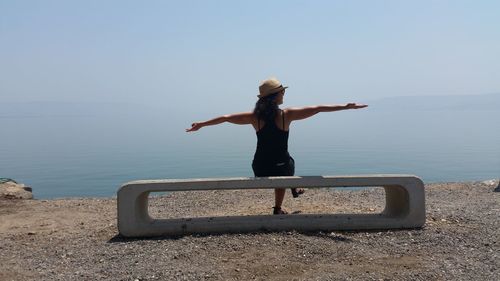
(355, 106)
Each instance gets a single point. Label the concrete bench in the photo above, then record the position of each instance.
(405, 206)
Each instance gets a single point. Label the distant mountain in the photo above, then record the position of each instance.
(448, 102)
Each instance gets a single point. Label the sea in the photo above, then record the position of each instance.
(82, 153)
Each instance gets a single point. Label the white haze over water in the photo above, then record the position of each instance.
(65, 150)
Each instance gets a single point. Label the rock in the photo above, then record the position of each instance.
(489, 182)
(492, 183)
(12, 190)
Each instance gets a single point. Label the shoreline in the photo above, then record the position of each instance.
(77, 238)
(493, 182)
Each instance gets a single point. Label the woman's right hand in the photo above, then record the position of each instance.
(194, 127)
(355, 106)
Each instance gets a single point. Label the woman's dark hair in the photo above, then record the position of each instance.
(266, 108)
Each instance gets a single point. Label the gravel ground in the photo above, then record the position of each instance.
(77, 239)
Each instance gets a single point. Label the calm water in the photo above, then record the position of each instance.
(66, 156)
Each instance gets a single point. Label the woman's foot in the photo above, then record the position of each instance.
(279, 211)
(297, 191)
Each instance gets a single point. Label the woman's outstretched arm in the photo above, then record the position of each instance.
(243, 118)
(306, 112)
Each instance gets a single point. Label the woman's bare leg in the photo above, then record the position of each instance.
(279, 194)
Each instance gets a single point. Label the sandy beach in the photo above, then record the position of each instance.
(77, 239)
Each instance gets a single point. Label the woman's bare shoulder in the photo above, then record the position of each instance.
(295, 108)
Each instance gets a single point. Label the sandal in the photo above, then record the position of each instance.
(279, 211)
(297, 191)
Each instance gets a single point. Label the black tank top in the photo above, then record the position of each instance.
(272, 144)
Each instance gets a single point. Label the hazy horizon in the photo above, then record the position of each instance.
(489, 101)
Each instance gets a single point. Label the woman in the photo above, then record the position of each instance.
(272, 127)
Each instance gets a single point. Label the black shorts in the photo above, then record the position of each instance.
(285, 168)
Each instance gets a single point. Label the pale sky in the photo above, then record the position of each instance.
(181, 54)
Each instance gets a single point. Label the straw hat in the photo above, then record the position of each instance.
(269, 87)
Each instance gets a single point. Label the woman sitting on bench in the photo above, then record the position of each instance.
(272, 127)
